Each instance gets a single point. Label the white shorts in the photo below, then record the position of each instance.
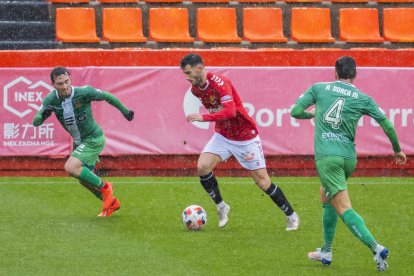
(248, 153)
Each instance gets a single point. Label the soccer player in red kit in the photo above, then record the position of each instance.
(235, 135)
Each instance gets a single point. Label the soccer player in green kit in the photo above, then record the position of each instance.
(72, 107)
(339, 106)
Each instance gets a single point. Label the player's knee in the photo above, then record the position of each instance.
(203, 168)
(70, 169)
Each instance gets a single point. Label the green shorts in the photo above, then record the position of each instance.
(88, 151)
(333, 172)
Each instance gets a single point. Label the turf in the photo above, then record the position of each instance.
(49, 227)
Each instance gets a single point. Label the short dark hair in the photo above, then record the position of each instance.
(57, 71)
(346, 68)
(192, 60)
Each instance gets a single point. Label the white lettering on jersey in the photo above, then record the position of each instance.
(219, 81)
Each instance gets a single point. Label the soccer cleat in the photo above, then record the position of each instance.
(223, 215)
(107, 196)
(380, 258)
(324, 257)
(293, 222)
(115, 206)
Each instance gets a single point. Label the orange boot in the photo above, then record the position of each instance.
(115, 206)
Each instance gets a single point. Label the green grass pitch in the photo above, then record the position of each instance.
(49, 227)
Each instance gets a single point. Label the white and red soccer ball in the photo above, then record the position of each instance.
(194, 217)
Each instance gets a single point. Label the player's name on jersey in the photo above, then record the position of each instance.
(342, 91)
(330, 136)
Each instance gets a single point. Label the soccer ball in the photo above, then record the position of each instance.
(194, 217)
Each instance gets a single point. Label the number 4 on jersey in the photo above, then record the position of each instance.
(333, 115)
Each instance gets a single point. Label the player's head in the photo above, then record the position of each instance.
(193, 69)
(345, 68)
(60, 77)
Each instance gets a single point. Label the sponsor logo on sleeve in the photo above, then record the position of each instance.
(226, 98)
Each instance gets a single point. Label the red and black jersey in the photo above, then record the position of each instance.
(220, 98)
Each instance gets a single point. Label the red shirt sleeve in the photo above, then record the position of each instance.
(226, 98)
(228, 112)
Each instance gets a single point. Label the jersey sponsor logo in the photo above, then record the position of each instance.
(330, 136)
(215, 109)
(217, 80)
(23, 96)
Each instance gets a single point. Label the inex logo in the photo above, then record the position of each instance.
(192, 105)
(21, 96)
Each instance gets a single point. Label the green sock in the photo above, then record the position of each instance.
(90, 178)
(329, 220)
(92, 189)
(357, 226)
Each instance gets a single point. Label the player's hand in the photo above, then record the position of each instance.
(195, 117)
(47, 111)
(129, 116)
(400, 158)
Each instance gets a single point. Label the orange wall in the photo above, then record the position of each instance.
(223, 57)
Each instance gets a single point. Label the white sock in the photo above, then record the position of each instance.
(293, 215)
(378, 248)
(221, 205)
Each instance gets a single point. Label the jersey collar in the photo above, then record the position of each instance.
(70, 97)
(346, 83)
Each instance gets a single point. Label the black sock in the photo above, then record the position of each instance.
(210, 184)
(279, 198)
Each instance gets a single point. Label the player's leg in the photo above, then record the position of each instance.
(213, 153)
(262, 180)
(329, 222)
(357, 226)
(92, 189)
(341, 202)
(205, 165)
(250, 156)
(332, 177)
(87, 154)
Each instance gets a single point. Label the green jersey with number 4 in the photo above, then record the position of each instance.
(339, 106)
(75, 113)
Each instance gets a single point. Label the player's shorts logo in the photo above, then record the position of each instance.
(192, 105)
(247, 156)
(22, 96)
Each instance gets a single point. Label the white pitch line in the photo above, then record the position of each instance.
(196, 182)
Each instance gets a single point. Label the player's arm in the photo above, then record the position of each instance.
(112, 100)
(99, 95)
(226, 98)
(305, 100)
(228, 112)
(389, 130)
(299, 112)
(45, 111)
(373, 110)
